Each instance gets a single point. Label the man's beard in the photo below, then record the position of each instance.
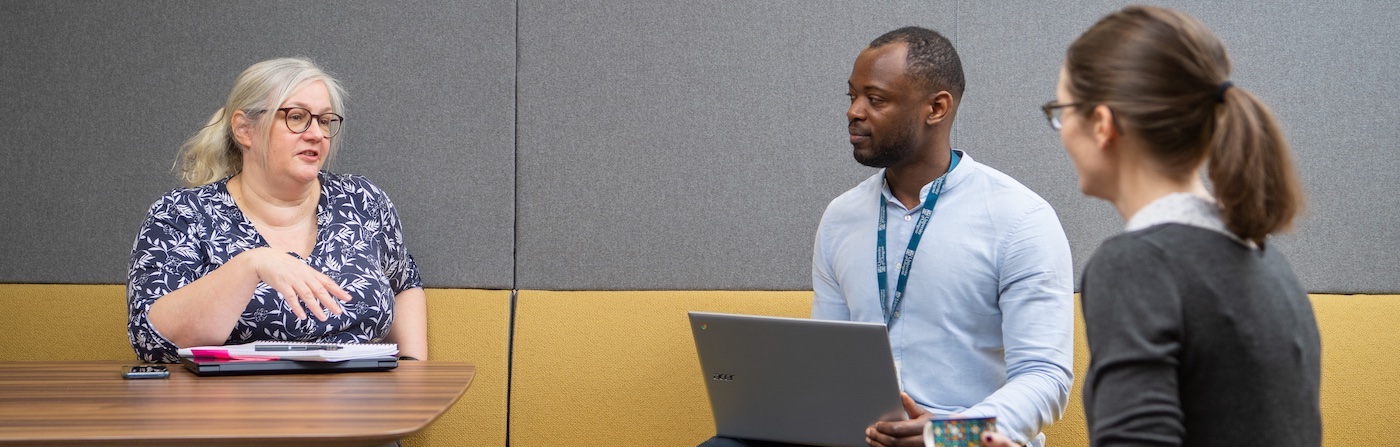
(895, 149)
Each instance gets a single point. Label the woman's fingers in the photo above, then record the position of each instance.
(325, 300)
(309, 299)
(302, 286)
(289, 296)
(334, 289)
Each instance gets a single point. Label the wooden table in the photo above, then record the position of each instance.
(88, 403)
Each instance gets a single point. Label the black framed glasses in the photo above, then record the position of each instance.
(299, 119)
(1053, 112)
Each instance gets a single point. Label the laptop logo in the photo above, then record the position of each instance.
(722, 377)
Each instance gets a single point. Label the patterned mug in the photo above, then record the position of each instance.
(958, 431)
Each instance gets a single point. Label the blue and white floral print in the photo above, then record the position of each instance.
(190, 232)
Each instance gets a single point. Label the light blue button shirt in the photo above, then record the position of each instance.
(986, 326)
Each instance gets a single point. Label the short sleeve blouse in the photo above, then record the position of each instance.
(192, 231)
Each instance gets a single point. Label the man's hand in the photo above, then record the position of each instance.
(908, 433)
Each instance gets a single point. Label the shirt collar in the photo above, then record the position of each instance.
(1185, 209)
(947, 178)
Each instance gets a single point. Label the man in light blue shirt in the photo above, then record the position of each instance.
(983, 322)
(981, 318)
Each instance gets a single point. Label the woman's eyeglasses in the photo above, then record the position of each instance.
(1054, 111)
(299, 119)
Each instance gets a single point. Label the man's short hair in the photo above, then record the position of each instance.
(932, 61)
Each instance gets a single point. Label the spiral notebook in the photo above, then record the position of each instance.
(268, 357)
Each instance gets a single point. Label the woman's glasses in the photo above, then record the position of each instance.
(299, 119)
(1054, 111)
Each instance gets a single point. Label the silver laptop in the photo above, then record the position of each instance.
(227, 367)
(802, 381)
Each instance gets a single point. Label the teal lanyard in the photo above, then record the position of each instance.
(891, 310)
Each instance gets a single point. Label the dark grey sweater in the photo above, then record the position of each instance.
(1197, 340)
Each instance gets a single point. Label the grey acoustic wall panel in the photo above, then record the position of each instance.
(661, 145)
(686, 144)
(693, 145)
(98, 97)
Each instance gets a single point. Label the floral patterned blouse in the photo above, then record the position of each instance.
(190, 232)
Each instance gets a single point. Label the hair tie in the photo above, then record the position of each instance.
(1220, 91)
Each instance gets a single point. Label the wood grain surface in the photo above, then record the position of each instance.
(89, 403)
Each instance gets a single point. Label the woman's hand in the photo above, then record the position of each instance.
(997, 440)
(298, 283)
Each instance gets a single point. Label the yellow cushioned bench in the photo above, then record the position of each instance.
(468, 325)
(619, 368)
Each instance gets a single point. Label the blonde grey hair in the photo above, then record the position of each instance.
(212, 153)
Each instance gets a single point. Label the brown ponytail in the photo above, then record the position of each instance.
(1162, 74)
(1250, 167)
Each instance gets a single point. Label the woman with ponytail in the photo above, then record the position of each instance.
(1199, 332)
(263, 244)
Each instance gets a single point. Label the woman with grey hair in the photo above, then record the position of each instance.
(263, 244)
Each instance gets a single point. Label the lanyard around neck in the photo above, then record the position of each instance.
(891, 309)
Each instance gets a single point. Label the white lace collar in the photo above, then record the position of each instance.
(1185, 209)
